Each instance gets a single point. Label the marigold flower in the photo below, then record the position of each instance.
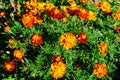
(82, 38)
(104, 6)
(100, 70)
(9, 66)
(118, 29)
(92, 16)
(64, 20)
(2, 13)
(28, 20)
(56, 13)
(83, 13)
(58, 69)
(72, 9)
(7, 29)
(41, 6)
(116, 15)
(70, 1)
(83, 2)
(68, 40)
(18, 54)
(103, 48)
(36, 39)
(40, 18)
(12, 43)
(57, 58)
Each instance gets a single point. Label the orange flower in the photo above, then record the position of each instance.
(36, 39)
(9, 66)
(28, 20)
(116, 15)
(83, 13)
(41, 6)
(12, 43)
(70, 1)
(18, 54)
(100, 70)
(118, 29)
(92, 16)
(72, 9)
(82, 38)
(40, 18)
(2, 13)
(58, 69)
(56, 13)
(7, 29)
(104, 6)
(68, 40)
(103, 48)
(83, 2)
(64, 20)
(57, 58)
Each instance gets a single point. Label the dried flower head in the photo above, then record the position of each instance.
(9, 66)
(100, 70)
(58, 69)
(68, 40)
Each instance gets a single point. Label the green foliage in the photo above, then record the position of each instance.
(79, 60)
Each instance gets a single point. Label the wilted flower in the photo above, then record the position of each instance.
(68, 40)
(58, 69)
(103, 48)
(100, 70)
(116, 15)
(18, 54)
(9, 66)
(28, 20)
(36, 39)
(82, 38)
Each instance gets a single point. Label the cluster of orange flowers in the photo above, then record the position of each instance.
(10, 65)
(58, 68)
(33, 15)
(100, 70)
(36, 9)
(69, 40)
